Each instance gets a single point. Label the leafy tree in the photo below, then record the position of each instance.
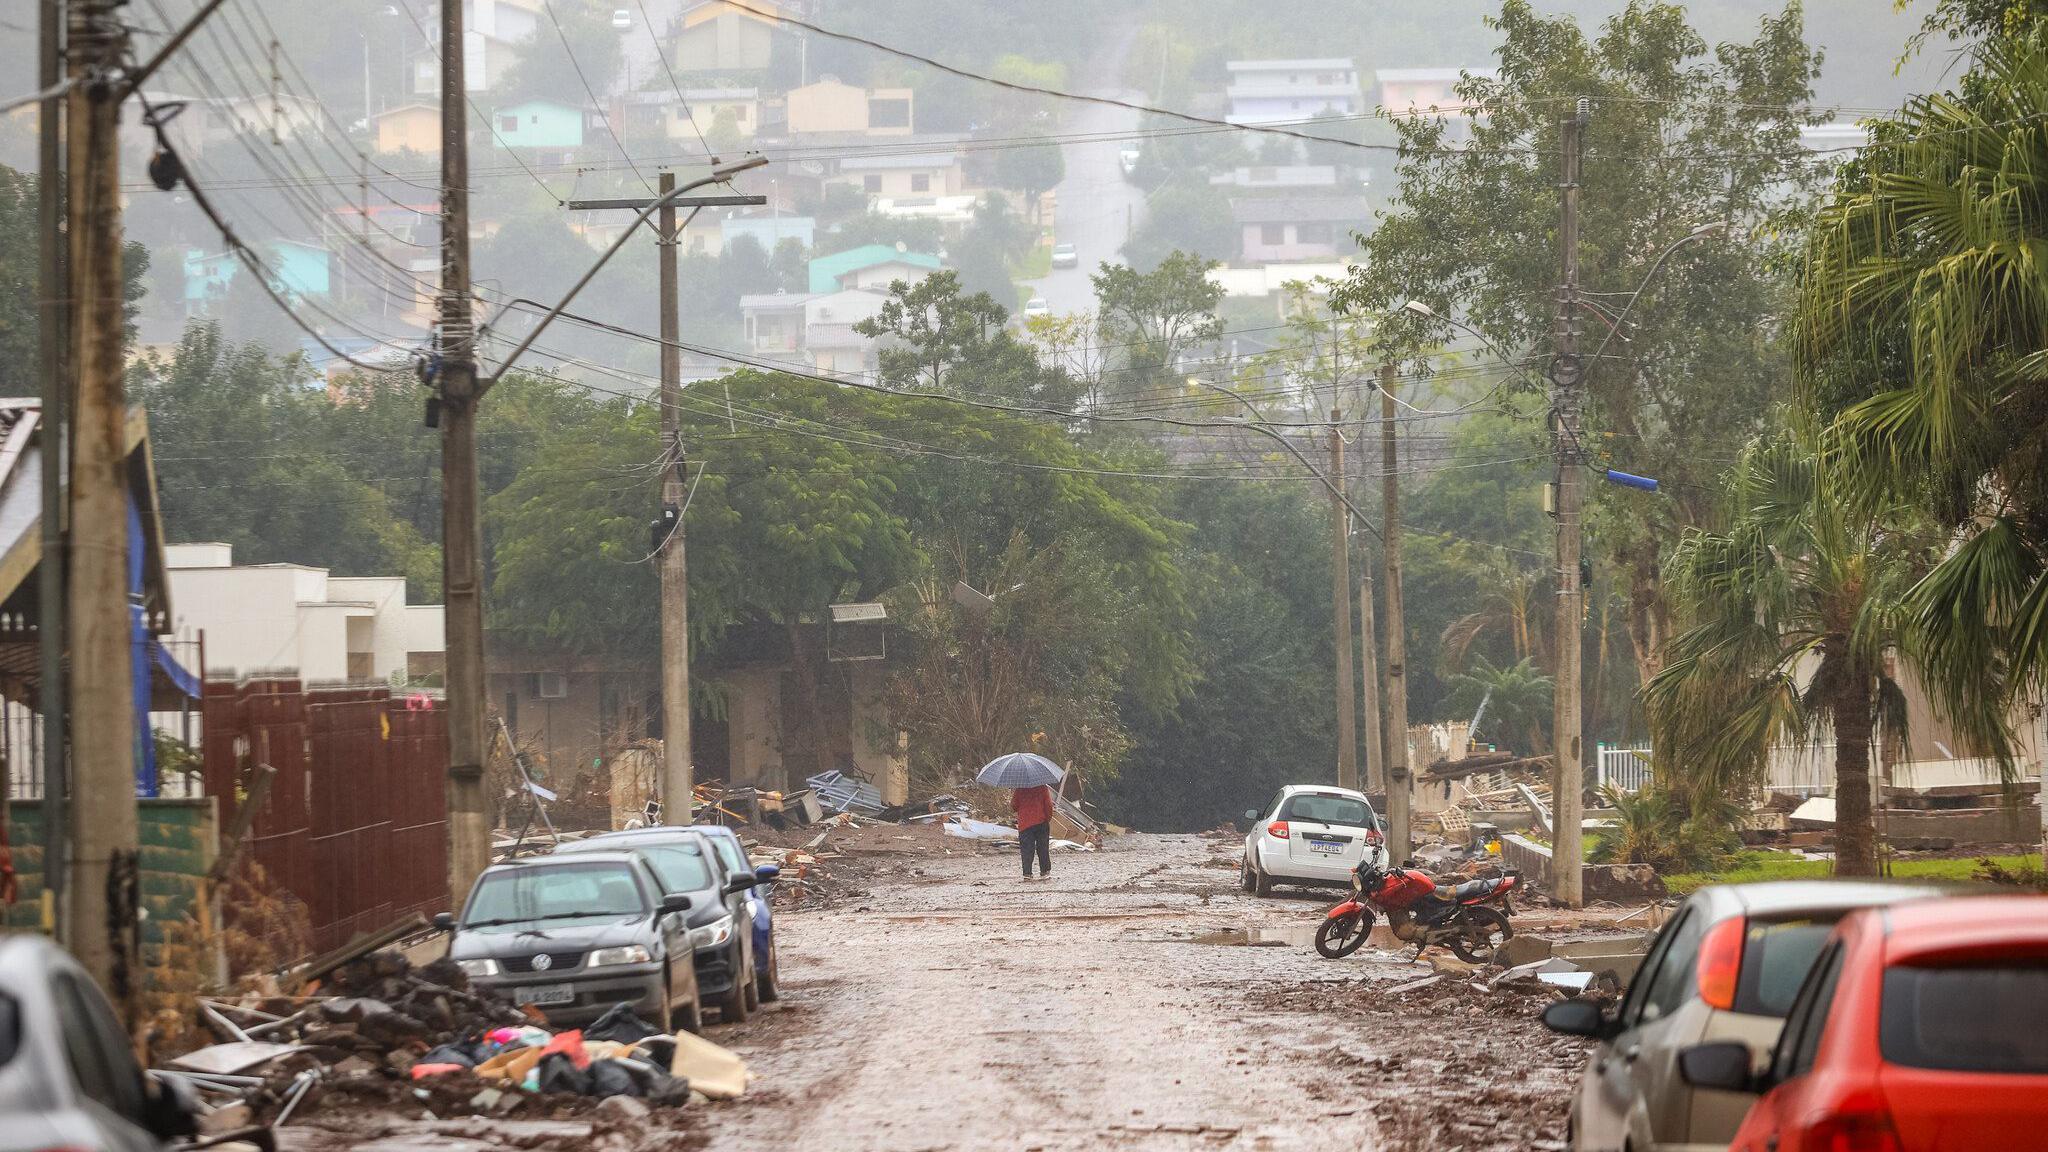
(943, 339)
(987, 247)
(1679, 135)
(19, 289)
(1158, 315)
(544, 70)
(1188, 215)
(874, 228)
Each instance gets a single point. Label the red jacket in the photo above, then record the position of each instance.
(1032, 805)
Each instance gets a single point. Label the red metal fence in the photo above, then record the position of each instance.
(355, 822)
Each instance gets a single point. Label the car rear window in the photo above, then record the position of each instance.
(1971, 1018)
(679, 867)
(547, 891)
(1327, 810)
(1776, 956)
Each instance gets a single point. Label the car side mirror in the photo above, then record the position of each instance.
(1724, 1064)
(740, 883)
(674, 902)
(1579, 1018)
(767, 872)
(1251, 814)
(170, 1108)
(444, 921)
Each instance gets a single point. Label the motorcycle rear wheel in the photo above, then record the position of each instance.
(1340, 937)
(1482, 932)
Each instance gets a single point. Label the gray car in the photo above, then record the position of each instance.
(574, 936)
(1725, 967)
(68, 1077)
(688, 863)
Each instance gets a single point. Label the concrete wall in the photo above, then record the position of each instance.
(754, 716)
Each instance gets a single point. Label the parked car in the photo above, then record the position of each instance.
(1922, 1028)
(575, 935)
(687, 863)
(68, 1076)
(1036, 306)
(1725, 967)
(760, 901)
(1064, 256)
(1310, 834)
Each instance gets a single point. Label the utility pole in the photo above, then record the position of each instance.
(1374, 774)
(1566, 374)
(53, 309)
(1400, 836)
(1340, 579)
(677, 774)
(104, 830)
(469, 833)
(678, 781)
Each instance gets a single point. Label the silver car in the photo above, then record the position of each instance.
(1725, 967)
(68, 1076)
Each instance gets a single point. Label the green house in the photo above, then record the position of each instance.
(539, 124)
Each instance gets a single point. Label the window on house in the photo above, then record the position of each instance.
(426, 668)
(920, 183)
(1313, 233)
(891, 113)
(360, 666)
(508, 123)
(1272, 233)
(871, 184)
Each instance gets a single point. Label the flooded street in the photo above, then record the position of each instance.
(1136, 1000)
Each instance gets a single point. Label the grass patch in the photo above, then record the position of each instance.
(1037, 263)
(1749, 867)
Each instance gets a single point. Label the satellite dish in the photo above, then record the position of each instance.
(902, 247)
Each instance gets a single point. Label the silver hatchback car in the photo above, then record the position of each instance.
(1725, 967)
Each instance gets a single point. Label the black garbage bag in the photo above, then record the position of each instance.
(556, 1072)
(622, 1024)
(629, 1076)
(466, 1055)
(659, 1051)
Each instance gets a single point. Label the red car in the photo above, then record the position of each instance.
(1923, 1027)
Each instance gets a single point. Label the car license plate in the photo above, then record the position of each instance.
(545, 994)
(1326, 847)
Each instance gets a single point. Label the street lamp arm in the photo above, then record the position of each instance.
(1699, 233)
(718, 176)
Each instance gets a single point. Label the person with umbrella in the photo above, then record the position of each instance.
(1030, 777)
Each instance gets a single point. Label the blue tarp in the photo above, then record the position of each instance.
(147, 657)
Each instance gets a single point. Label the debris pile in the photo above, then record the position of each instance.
(376, 1029)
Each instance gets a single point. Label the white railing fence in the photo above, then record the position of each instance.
(1623, 769)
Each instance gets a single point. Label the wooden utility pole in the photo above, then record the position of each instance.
(1340, 580)
(103, 822)
(1566, 373)
(469, 832)
(53, 309)
(1400, 838)
(677, 773)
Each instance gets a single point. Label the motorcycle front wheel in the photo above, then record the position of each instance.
(1481, 931)
(1343, 935)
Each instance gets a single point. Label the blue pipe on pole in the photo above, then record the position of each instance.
(1628, 480)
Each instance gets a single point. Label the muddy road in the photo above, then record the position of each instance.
(955, 1006)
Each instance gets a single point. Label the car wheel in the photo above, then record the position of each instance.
(1244, 875)
(733, 1007)
(693, 1017)
(1262, 884)
(665, 1018)
(753, 990)
(771, 980)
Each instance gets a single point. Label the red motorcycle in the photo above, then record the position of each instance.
(1422, 912)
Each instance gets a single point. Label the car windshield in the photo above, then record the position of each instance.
(1776, 955)
(1320, 809)
(729, 850)
(1973, 1018)
(679, 867)
(556, 892)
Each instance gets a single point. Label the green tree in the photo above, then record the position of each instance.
(544, 70)
(1156, 316)
(19, 288)
(940, 338)
(1516, 698)
(1679, 135)
(1188, 215)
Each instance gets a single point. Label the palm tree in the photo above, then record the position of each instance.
(1517, 698)
(1927, 275)
(1793, 615)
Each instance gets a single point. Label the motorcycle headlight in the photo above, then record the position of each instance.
(630, 954)
(478, 967)
(713, 934)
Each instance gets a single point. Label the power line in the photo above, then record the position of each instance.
(602, 118)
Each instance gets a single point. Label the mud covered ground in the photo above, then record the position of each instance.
(1135, 1001)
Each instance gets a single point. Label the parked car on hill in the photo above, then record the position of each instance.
(1310, 834)
(1064, 256)
(1922, 1028)
(1726, 966)
(575, 935)
(688, 864)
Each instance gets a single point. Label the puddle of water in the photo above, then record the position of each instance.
(1292, 936)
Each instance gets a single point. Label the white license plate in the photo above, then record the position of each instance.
(545, 994)
(1326, 847)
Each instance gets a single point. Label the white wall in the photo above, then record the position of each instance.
(294, 619)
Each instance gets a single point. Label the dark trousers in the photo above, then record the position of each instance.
(1037, 838)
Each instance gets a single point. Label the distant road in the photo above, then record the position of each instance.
(1095, 207)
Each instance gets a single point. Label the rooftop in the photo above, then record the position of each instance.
(826, 270)
(1325, 64)
(1431, 75)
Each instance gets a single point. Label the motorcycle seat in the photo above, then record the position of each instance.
(1469, 890)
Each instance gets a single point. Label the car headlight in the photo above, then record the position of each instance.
(630, 954)
(713, 934)
(478, 967)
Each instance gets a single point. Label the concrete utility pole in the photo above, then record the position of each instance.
(469, 832)
(1340, 579)
(53, 307)
(678, 774)
(1374, 773)
(104, 830)
(1400, 838)
(1566, 374)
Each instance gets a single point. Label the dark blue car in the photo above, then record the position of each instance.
(726, 843)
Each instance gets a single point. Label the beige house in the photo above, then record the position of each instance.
(903, 177)
(716, 37)
(832, 106)
(409, 128)
(740, 106)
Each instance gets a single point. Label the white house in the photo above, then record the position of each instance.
(1280, 91)
(298, 620)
